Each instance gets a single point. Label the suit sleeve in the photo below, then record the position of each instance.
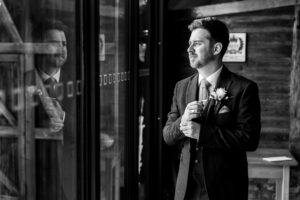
(171, 131)
(244, 135)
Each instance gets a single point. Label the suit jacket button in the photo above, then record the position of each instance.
(197, 149)
(196, 161)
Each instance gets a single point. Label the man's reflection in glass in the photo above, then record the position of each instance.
(49, 113)
(49, 70)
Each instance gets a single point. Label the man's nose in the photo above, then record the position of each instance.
(190, 48)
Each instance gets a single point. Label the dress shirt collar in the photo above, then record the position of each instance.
(212, 79)
(45, 76)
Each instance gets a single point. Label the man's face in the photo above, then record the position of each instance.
(56, 36)
(200, 48)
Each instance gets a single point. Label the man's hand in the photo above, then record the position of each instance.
(56, 124)
(193, 110)
(55, 113)
(190, 129)
(57, 117)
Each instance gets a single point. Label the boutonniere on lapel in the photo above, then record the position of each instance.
(220, 94)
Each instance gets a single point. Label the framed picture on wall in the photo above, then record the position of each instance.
(236, 51)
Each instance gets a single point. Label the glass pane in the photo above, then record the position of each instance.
(39, 90)
(144, 99)
(9, 119)
(114, 97)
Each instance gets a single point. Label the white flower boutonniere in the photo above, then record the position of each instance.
(219, 94)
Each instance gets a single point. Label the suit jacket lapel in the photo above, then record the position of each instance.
(182, 178)
(192, 89)
(223, 82)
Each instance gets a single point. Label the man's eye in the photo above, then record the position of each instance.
(194, 43)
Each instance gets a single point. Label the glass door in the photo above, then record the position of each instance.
(40, 88)
(130, 86)
(150, 80)
(115, 97)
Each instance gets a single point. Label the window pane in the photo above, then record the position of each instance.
(114, 96)
(39, 90)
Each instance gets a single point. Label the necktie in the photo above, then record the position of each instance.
(203, 91)
(50, 86)
(199, 191)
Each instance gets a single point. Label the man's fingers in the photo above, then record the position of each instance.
(56, 126)
(195, 108)
(191, 111)
(56, 120)
(185, 126)
(194, 103)
(190, 129)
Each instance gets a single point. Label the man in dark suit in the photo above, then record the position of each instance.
(49, 76)
(54, 117)
(214, 120)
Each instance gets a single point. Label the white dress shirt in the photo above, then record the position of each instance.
(45, 76)
(212, 79)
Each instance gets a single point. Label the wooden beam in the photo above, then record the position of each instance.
(39, 133)
(295, 87)
(240, 7)
(46, 134)
(4, 180)
(7, 131)
(29, 48)
(7, 197)
(8, 23)
(9, 58)
(22, 146)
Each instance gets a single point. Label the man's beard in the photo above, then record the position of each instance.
(56, 61)
(195, 64)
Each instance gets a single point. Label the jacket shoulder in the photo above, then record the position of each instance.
(241, 80)
(185, 81)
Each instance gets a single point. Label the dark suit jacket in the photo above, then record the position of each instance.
(224, 137)
(56, 159)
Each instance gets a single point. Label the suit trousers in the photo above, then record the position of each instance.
(196, 189)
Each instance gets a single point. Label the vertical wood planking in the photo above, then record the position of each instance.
(295, 87)
(268, 63)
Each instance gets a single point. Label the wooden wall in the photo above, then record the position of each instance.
(268, 63)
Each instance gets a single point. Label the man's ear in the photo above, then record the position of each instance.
(218, 48)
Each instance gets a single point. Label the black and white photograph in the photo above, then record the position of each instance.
(149, 99)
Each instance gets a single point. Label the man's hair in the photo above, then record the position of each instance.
(43, 26)
(217, 29)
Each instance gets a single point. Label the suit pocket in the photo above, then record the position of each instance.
(224, 109)
(224, 119)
